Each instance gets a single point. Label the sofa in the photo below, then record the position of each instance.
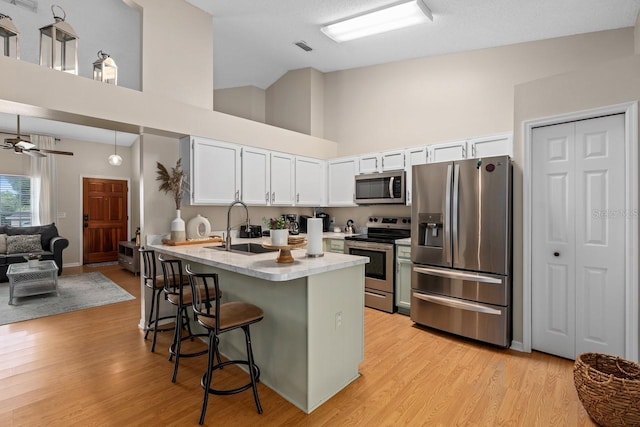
(17, 242)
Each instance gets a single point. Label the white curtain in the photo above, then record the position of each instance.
(43, 183)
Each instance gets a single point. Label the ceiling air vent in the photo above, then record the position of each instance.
(303, 45)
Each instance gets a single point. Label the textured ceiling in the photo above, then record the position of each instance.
(254, 39)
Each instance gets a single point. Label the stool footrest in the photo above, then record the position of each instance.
(233, 390)
(172, 351)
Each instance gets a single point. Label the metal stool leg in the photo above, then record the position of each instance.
(252, 368)
(206, 381)
(149, 321)
(178, 342)
(155, 322)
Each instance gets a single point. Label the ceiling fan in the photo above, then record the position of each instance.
(22, 145)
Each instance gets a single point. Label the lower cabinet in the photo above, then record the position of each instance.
(128, 256)
(334, 245)
(403, 279)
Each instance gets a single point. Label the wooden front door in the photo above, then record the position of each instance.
(104, 209)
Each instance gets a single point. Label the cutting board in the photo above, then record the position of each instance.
(212, 239)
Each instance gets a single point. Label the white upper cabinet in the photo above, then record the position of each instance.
(414, 156)
(381, 162)
(447, 151)
(310, 182)
(341, 181)
(392, 161)
(282, 176)
(256, 176)
(497, 145)
(214, 171)
(369, 163)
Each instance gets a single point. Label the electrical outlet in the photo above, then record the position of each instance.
(332, 220)
(338, 319)
(62, 214)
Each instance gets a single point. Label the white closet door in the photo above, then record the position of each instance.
(578, 224)
(553, 240)
(600, 235)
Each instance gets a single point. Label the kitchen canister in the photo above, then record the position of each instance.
(314, 237)
(198, 227)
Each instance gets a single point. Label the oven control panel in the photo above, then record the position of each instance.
(389, 222)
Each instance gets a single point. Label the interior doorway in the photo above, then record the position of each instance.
(104, 218)
(583, 255)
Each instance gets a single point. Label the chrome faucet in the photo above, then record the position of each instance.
(248, 229)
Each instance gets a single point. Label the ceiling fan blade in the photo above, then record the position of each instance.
(66, 153)
(25, 145)
(32, 153)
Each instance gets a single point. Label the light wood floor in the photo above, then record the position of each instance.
(92, 367)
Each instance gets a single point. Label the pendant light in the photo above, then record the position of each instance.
(115, 159)
(9, 38)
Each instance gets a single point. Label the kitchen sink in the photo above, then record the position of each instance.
(245, 248)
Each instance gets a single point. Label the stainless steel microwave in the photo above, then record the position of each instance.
(381, 188)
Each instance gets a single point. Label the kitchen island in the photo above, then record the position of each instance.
(311, 341)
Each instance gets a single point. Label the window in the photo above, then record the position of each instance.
(15, 200)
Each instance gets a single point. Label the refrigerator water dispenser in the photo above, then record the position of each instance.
(431, 232)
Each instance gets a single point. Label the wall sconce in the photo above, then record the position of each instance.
(59, 45)
(115, 159)
(9, 38)
(105, 69)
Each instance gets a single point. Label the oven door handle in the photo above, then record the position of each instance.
(462, 305)
(458, 275)
(368, 246)
(373, 294)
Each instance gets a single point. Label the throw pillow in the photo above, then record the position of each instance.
(3, 243)
(46, 232)
(24, 244)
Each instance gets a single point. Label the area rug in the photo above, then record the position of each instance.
(76, 293)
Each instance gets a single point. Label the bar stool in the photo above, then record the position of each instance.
(178, 293)
(218, 319)
(156, 284)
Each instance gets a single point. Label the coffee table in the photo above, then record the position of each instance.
(39, 279)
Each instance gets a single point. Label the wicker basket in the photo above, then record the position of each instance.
(609, 389)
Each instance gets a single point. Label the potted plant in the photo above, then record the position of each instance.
(279, 230)
(174, 182)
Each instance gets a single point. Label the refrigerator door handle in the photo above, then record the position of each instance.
(447, 218)
(456, 211)
(462, 305)
(471, 277)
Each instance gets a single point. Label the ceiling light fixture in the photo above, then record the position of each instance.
(115, 159)
(379, 21)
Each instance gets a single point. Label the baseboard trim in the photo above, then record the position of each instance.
(518, 346)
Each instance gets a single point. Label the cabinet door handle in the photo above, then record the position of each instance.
(298, 198)
(473, 151)
(273, 197)
(237, 194)
(383, 163)
(266, 197)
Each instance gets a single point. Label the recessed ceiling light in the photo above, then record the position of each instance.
(379, 21)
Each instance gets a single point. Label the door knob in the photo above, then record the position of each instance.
(556, 254)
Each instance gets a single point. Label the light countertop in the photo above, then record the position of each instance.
(406, 241)
(264, 265)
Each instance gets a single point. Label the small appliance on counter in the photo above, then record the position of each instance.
(303, 223)
(254, 231)
(294, 226)
(326, 221)
(350, 228)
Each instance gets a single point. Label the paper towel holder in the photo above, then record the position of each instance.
(314, 255)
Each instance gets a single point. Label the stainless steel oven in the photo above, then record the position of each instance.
(378, 281)
(381, 188)
(379, 245)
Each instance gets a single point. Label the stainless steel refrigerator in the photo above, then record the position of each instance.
(461, 223)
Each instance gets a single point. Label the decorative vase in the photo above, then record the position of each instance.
(178, 228)
(279, 237)
(198, 227)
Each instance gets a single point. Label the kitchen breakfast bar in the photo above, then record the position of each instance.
(311, 341)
